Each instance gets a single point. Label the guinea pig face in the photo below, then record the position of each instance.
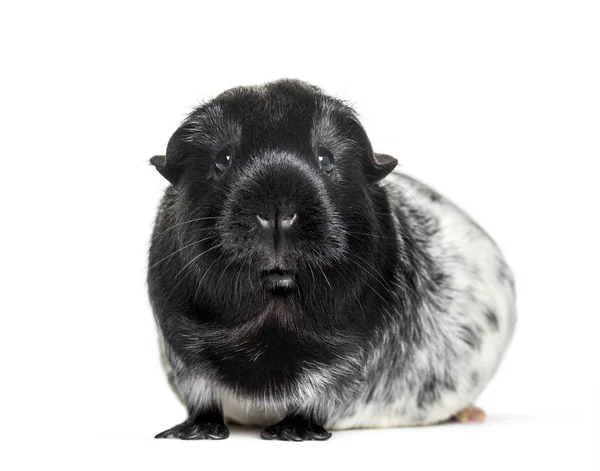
(273, 190)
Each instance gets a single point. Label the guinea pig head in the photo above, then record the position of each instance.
(274, 195)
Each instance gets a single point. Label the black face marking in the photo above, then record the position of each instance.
(251, 202)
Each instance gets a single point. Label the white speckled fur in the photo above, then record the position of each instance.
(474, 261)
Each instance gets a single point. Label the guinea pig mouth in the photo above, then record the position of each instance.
(278, 279)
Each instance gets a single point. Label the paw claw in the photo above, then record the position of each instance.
(319, 433)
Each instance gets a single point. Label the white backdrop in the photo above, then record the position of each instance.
(496, 104)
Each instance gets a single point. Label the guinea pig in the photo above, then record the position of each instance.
(301, 284)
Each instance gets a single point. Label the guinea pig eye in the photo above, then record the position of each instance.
(325, 159)
(223, 159)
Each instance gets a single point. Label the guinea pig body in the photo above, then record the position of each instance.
(300, 284)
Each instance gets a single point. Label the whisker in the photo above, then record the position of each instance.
(372, 267)
(312, 274)
(369, 235)
(187, 265)
(179, 250)
(182, 223)
(203, 276)
(393, 282)
(222, 273)
(325, 276)
(237, 279)
(405, 190)
(386, 288)
(250, 280)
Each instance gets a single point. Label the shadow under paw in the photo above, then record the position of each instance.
(196, 431)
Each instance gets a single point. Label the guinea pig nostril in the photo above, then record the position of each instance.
(263, 221)
(288, 219)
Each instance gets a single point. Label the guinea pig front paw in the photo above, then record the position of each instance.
(192, 430)
(295, 429)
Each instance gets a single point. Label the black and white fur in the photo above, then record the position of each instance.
(303, 298)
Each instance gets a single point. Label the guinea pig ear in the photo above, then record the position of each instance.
(171, 166)
(379, 166)
(170, 171)
(376, 166)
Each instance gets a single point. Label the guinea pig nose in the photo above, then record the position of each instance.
(287, 220)
(264, 222)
